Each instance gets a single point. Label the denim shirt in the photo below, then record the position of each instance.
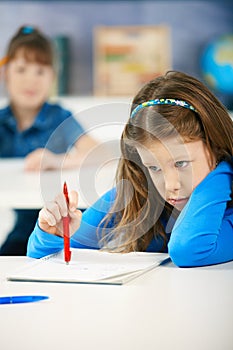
(54, 128)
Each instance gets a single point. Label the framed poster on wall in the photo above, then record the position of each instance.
(127, 57)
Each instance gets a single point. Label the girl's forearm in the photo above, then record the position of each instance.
(199, 235)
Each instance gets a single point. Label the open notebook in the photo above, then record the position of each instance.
(89, 266)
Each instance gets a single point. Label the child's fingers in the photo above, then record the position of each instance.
(47, 222)
(60, 205)
(50, 217)
(75, 220)
(45, 216)
(76, 215)
(73, 200)
(57, 208)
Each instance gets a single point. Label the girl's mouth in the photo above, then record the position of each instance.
(177, 201)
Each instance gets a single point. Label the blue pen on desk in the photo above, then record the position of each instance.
(22, 299)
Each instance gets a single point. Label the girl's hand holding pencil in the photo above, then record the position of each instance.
(50, 216)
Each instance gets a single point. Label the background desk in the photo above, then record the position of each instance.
(20, 189)
(167, 308)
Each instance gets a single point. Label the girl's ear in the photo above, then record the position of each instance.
(53, 89)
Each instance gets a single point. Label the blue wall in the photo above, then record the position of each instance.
(192, 23)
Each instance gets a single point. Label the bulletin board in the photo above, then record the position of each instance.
(127, 57)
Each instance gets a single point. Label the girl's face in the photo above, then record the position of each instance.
(28, 83)
(176, 168)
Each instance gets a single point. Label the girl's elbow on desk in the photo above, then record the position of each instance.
(185, 254)
(202, 249)
(181, 256)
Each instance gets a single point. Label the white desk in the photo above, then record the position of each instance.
(20, 189)
(167, 308)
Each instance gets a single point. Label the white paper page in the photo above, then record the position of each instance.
(88, 265)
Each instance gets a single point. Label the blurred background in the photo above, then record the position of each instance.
(193, 25)
(198, 40)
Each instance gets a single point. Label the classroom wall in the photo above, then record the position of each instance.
(192, 23)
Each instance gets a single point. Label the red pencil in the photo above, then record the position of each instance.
(66, 229)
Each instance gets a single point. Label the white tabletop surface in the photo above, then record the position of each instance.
(21, 189)
(167, 308)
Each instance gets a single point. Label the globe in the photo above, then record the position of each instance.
(217, 64)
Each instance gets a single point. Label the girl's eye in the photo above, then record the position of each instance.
(20, 69)
(40, 71)
(181, 164)
(154, 168)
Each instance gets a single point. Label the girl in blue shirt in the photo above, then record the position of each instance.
(173, 184)
(32, 128)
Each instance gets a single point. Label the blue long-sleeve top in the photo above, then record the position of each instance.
(202, 234)
(54, 128)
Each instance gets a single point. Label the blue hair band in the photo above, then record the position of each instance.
(163, 101)
(27, 30)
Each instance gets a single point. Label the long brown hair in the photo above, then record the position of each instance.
(144, 211)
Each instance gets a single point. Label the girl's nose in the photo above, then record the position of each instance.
(172, 181)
